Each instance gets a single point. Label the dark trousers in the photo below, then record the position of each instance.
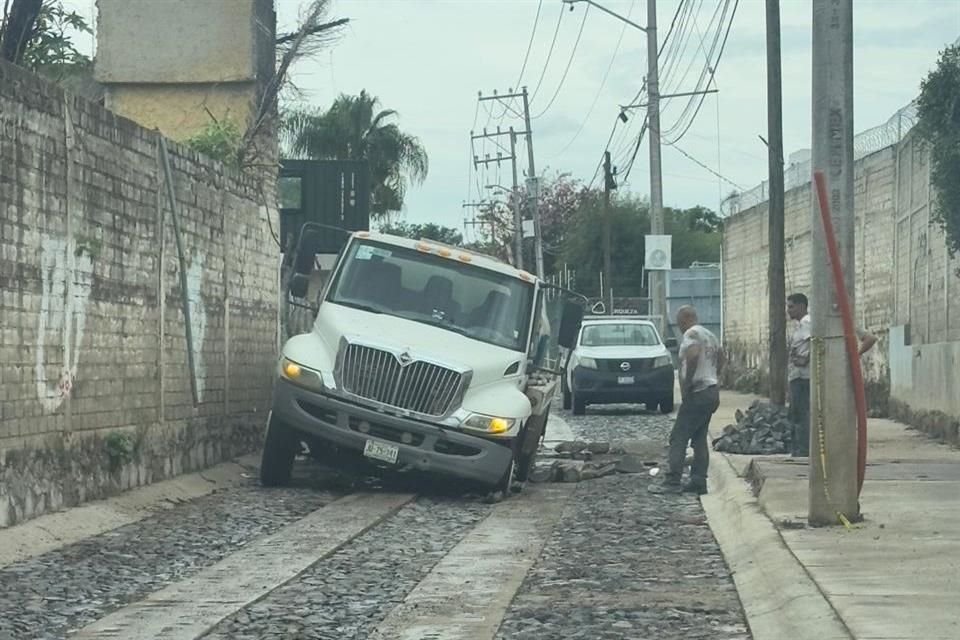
(800, 416)
(693, 420)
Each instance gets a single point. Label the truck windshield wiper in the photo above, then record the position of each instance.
(442, 324)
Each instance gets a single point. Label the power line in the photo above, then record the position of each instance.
(573, 52)
(526, 57)
(713, 71)
(702, 165)
(603, 83)
(546, 64)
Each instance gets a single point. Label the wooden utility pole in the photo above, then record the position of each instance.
(775, 270)
(833, 433)
(608, 185)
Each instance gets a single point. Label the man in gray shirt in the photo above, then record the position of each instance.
(701, 360)
(798, 371)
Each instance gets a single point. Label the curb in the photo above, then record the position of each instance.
(779, 598)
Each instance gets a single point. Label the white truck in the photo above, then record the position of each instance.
(422, 357)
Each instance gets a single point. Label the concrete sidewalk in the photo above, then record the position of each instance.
(895, 575)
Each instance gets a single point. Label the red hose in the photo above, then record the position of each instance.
(849, 331)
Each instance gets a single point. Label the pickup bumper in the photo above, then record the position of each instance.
(423, 446)
(605, 386)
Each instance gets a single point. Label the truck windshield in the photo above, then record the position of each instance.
(615, 334)
(479, 303)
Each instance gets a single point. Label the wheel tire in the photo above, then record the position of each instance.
(666, 405)
(279, 450)
(506, 483)
(566, 393)
(579, 405)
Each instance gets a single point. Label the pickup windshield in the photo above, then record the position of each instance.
(456, 296)
(619, 335)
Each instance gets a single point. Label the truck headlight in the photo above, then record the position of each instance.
(587, 363)
(663, 361)
(489, 424)
(300, 375)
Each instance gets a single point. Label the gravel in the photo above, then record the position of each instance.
(624, 563)
(63, 590)
(346, 595)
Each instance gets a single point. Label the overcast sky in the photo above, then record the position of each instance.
(427, 59)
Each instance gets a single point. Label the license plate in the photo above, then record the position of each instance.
(381, 451)
(624, 379)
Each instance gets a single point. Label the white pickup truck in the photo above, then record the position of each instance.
(422, 357)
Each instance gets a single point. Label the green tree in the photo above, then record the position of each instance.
(354, 128)
(428, 231)
(938, 125)
(38, 35)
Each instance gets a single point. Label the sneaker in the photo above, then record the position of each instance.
(665, 487)
(699, 488)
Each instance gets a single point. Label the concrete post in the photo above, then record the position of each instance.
(833, 457)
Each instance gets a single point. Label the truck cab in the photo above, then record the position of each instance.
(421, 357)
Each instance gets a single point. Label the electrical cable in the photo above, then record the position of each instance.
(546, 64)
(573, 53)
(603, 83)
(702, 165)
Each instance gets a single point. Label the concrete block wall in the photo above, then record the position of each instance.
(95, 393)
(745, 263)
(906, 288)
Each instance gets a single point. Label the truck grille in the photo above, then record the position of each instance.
(421, 387)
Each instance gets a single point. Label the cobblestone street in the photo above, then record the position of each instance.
(614, 561)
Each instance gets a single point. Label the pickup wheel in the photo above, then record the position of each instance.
(279, 450)
(666, 405)
(579, 404)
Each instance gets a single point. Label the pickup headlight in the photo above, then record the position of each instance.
(489, 424)
(300, 375)
(663, 361)
(587, 363)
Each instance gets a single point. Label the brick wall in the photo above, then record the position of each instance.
(95, 392)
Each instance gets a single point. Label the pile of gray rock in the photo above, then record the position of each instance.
(763, 430)
(578, 460)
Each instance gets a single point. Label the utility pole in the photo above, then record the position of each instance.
(608, 184)
(657, 278)
(533, 193)
(532, 181)
(775, 269)
(517, 214)
(833, 434)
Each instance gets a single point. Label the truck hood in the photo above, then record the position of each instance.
(622, 352)
(488, 362)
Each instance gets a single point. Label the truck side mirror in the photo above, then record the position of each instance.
(308, 245)
(570, 324)
(299, 284)
(670, 343)
(542, 345)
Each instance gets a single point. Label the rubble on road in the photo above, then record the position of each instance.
(574, 461)
(763, 430)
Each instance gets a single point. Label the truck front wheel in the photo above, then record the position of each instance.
(279, 450)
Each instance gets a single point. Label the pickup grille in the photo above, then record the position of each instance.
(637, 365)
(420, 387)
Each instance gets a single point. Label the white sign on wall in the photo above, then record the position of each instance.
(657, 253)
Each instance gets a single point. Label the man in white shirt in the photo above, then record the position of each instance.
(701, 360)
(798, 371)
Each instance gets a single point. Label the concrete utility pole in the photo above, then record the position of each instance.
(532, 181)
(775, 270)
(517, 212)
(833, 486)
(657, 278)
(608, 184)
(534, 192)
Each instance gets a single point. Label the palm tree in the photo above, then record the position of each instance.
(354, 129)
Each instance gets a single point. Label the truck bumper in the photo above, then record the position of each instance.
(604, 386)
(422, 446)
